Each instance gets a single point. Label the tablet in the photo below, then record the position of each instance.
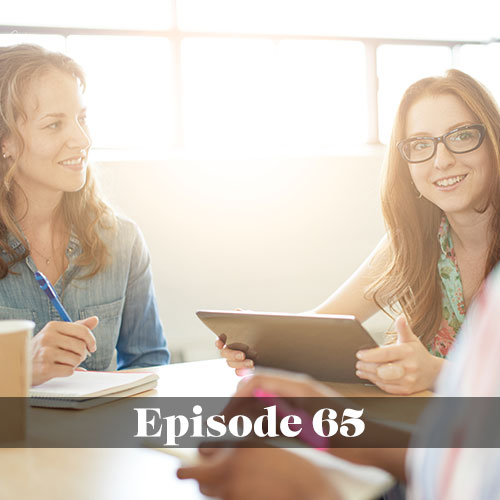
(321, 345)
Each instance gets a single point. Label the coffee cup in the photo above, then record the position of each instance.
(15, 377)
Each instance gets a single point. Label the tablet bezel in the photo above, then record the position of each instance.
(321, 345)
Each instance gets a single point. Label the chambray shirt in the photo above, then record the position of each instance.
(121, 296)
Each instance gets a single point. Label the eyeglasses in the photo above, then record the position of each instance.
(459, 140)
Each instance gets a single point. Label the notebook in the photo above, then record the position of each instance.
(85, 389)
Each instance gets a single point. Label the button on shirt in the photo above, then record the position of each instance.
(121, 296)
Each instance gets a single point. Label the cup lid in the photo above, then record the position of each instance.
(15, 325)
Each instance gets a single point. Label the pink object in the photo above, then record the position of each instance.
(307, 435)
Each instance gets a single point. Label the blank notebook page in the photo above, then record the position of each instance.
(90, 384)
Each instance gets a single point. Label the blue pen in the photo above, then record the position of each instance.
(54, 299)
(52, 295)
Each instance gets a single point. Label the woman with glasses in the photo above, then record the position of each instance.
(453, 452)
(441, 205)
(53, 220)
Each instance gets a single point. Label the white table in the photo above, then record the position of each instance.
(108, 474)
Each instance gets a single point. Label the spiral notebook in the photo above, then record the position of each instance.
(85, 389)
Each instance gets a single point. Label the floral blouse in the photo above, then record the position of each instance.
(452, 294)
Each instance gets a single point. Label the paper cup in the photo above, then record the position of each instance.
(15, 366)
(15, 377)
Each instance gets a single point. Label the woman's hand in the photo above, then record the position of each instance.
(402, 368)
(264, 473)
(235, 359)
(59, 347)
(305, 391)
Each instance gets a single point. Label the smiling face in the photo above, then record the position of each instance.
(456, 183)
(55, 136)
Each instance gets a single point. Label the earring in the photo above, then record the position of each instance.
(419, 195)
(4, 156)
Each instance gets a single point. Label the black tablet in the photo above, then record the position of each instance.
(321, 345)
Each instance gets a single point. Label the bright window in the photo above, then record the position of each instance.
(146, 14)
(255, 74)
(50, 42)
(256, 93)
(398, 67)
(129, 91)
(480, 61)
(321, 94)
(419, 19)
(227, 92)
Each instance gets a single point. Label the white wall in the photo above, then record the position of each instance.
(263, 234)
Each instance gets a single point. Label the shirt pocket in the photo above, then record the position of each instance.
(105, 333)
(15, 313)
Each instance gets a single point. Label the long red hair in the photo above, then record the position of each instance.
(411, 277)
(83, 212)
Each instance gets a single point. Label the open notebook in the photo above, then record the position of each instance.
(85, 389)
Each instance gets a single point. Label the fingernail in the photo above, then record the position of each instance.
(249, 363)
(239, 355)
(360, 355)
(358, 365)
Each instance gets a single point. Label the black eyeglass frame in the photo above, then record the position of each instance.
(442, 139)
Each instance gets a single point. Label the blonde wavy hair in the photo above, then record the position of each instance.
(411, 276)
(83, 212)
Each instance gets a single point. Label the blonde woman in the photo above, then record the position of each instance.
(441, 204)
(52, 220)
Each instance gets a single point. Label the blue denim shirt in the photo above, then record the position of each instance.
(121, 296)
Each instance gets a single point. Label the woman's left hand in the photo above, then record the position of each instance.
(402, 368)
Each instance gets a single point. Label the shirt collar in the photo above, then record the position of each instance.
(13, 242)
(73, 243)
(73, 247)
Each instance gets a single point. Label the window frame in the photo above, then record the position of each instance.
(176, 36)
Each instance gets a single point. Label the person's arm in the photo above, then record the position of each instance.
(348, 299)
(141, 341)
(402, 368)
(300, 387)
(241, 473)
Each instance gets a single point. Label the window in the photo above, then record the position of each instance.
(116, 14)
(257, 93)
(398, 67)
(50, 42)
(129, 90)
(321, 94)
(227, 92)
(296, 75)
(480, 61)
